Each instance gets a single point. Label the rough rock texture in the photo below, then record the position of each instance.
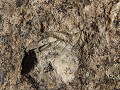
(59, 44)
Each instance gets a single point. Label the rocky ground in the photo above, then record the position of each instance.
(59, 44)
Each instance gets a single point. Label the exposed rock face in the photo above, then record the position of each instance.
(57, 64)
(59, 44)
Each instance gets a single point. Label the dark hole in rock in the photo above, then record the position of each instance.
(42, 28)
(116, 23)
(98, 66)
(34, 83)
(95, 27)
(86, 2)
(29, 23)
(19, 3)
(48, 68)
(0, 18)
(29, 61)
(117, 89)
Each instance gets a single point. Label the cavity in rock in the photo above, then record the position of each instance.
(42, 28)
(29, 61)
(19, 3)
(95, 27)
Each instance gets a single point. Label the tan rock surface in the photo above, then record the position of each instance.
(59, 44)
